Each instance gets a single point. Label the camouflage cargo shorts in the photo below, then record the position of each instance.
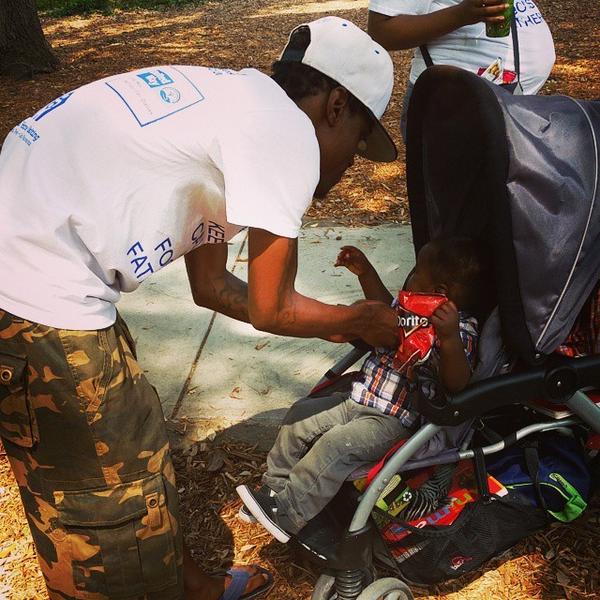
(85, 435)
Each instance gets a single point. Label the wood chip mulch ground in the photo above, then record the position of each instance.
(561, 563)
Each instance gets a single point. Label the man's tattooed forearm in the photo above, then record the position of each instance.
(233, 299)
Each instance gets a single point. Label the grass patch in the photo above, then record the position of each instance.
(64, 8)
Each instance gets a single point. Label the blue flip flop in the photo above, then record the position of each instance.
(239, 580)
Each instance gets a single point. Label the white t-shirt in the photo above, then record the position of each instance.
(469, 48)
(108, 184)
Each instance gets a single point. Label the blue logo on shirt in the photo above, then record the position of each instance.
(50, 107)
(170, 95)
(155, 78)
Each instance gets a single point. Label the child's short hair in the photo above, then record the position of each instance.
(468, 262)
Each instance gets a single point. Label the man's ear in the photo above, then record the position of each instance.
(337, 103)
(441, 288)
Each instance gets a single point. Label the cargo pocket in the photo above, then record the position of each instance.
(121, 541)
(17, 418)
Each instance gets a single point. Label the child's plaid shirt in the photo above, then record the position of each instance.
(383, 387)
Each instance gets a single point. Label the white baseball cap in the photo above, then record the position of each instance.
(341, 50)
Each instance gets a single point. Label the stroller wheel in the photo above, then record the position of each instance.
(324, 589)
(325, 586)
(388, 588)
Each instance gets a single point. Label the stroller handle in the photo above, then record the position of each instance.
(556, 381)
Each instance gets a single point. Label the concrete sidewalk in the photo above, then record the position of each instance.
(214, 373)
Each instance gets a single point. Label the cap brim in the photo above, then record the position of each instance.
(379, 145)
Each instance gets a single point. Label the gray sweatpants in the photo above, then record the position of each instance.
(320, 443)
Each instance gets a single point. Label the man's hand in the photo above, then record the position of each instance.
(445, 321)
(354, 260)
(380, 323)
(339, 338)
(475, 11)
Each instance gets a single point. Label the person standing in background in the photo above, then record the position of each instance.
(452, 32)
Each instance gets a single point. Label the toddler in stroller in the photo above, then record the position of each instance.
(315, 452)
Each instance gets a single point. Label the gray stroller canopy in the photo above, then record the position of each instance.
(520, 172)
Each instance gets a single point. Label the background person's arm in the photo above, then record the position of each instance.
(274, 305)
(409, 31)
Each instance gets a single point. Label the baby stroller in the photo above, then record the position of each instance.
(521, 172)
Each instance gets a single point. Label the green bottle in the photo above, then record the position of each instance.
(395, 497)
(502, 28)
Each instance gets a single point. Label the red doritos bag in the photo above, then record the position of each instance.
(415, 329)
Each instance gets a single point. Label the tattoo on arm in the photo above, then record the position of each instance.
(232, 297)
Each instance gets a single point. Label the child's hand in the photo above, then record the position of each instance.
(445, 321)
(353, 259)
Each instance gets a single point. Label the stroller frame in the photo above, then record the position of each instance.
(561, 385)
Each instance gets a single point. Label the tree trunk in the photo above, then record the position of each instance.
(24, 50)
